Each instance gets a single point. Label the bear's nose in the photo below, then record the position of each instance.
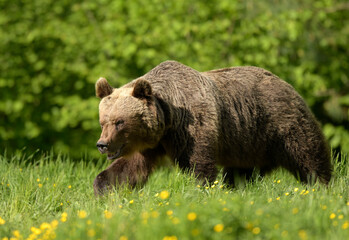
(102, 147)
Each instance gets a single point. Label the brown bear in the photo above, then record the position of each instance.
(240, 118)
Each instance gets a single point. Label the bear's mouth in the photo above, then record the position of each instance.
(116, 154)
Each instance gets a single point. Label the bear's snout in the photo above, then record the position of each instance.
(102, 147)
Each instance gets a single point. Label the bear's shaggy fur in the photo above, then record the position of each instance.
(240, 118)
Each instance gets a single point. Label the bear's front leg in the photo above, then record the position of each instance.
(203, 163)
(132, 170)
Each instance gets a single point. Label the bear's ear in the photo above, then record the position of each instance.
(142, 89)
(103, 88)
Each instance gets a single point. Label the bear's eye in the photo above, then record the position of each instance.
(118, 124)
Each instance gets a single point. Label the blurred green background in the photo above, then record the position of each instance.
(52, 52)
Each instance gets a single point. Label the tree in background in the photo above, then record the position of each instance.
(52, 52)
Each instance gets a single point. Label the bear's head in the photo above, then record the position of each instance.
(129, 118)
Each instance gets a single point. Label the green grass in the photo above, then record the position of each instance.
(52, 197)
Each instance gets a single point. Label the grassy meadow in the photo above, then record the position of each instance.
(51, 197)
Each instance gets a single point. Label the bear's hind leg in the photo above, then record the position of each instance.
(206, 173)
(306, 156)
(232, 176)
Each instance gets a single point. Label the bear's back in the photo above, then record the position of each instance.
(180, 85)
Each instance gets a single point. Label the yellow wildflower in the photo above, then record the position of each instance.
(132, 201)
(332, 216)
(45, 225)
(216, 182)
(35, 230)
(340, 216)
(218, 228)
(64, 217)
(295, 210)
(69, 186)
(191, 216)
(2, 221)
(169, 212)
(38, 180)
(170, 238)
(40, 185)
(17, 234)
(164, 194)
(82, 214)
(30, 237)
(91, 233)
(296, 189)
(154, 214)
(302, 234)
(278, 181)
(107, 214)
(198, 186)
(123, 238)
(278, 198)
(249, 226)
(286, 194)
(256, 230)
(54, 223)
(175, 220)
(345, 225)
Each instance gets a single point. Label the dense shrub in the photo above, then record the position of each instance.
(52, 52)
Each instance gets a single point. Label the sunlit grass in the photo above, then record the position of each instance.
(52, 198)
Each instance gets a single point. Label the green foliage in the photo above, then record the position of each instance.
(58, 191)
(52, 52)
